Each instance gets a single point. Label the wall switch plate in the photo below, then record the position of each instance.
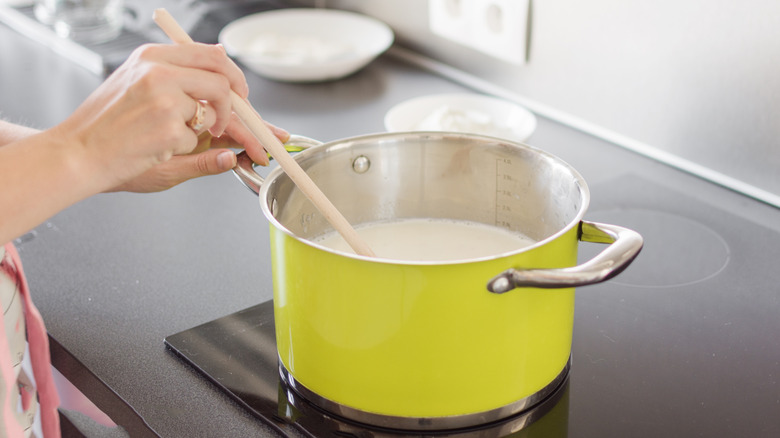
(498, 28)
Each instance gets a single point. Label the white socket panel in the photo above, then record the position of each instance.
(494, 27)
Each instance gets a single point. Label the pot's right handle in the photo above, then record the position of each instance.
(245, 169)
(624, 246)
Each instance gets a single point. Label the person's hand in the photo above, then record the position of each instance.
(142, 117)
(212, 156)
(126, 135)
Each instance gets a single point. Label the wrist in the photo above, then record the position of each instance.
(81, 167)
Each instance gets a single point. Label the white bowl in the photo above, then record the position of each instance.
(469, 113)
(305, 45)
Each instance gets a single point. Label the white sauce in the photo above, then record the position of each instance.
(431, 240)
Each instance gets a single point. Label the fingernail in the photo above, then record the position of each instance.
(281, 133)
(226, 160)
(218, 129)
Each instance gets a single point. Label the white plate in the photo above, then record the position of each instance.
(469, 113)
(306, 45)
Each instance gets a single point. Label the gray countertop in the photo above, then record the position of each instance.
(117, 273)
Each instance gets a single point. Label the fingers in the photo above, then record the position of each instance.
(206, 73)
(203, 72)
(179, 169)
(241, 135)
(205, 57)
(146, 113)
(185, 167)
(236, 135)
(198, 121)
(208, 87)
(173, 99)
(280, 133)
(204, 117)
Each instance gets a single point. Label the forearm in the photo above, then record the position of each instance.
(40, 175)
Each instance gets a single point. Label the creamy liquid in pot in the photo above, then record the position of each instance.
(431, 240)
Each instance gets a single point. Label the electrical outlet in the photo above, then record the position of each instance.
(495, 27)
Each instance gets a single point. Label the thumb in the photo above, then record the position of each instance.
(210, 162)
(180, 168)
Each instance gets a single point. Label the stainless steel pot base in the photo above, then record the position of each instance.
(425, 424)
(238, 354)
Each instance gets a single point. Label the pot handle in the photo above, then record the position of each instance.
(245, 167)
(624, 246)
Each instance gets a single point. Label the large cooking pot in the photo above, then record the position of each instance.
(430, 345)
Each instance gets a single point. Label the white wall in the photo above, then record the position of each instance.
(697, 78)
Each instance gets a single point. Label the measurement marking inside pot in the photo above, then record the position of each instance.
(495, 220)
(505, 189)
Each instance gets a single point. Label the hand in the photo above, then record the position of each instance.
(212, 156)
(132, 133)
(138, 118)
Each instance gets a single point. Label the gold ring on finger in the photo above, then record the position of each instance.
(197, 121)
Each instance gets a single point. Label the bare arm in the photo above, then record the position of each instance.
(39, 176)
(130, 134)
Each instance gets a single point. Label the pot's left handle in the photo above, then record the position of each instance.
(624, 246)
(245, 167)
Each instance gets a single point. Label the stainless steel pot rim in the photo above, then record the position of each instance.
(347, 142)
(426, 423)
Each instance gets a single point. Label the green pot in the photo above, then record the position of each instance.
(431, 345)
